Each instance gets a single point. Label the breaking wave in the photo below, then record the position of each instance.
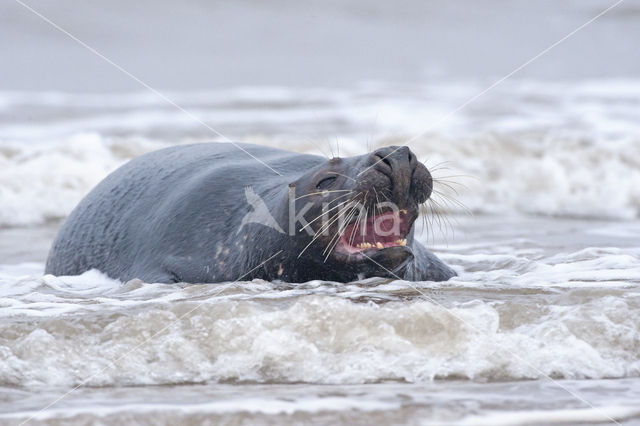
(563, 149)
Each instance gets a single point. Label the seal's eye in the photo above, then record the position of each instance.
(326, 182)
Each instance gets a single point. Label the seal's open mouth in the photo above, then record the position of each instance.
(377, 232)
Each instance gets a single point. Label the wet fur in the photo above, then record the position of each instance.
(172, 216)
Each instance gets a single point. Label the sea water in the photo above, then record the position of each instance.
(537, 207)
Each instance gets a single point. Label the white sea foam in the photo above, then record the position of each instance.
(536, 296)
(269, 406)
(319, 339)
(536, 318)
(43, 181)
(570, 149)
(566, 416)
(449, 402)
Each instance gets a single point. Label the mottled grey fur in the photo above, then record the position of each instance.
(173, 216)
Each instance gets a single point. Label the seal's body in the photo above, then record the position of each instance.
(212, 213)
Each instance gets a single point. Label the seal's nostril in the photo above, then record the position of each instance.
(384, 159)
(411, 157)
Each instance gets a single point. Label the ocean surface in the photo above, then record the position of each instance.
(538, 210)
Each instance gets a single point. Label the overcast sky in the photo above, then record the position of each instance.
(198, 44)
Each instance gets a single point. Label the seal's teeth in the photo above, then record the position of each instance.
(401, 242)
(379, 245)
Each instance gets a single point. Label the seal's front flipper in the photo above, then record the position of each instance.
(427, 266)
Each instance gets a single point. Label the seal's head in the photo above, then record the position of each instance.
(356, 215)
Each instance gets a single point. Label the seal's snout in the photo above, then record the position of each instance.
(409, 178)
(396, 162)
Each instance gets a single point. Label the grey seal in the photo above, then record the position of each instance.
(207, 213)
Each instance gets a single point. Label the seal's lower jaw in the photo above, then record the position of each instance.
(390, 262)
(387, 262)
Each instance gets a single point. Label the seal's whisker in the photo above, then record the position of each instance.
(364, 218)
(449, 198)
(337, 234)
(323, 192)
(442, 219)
(436, 170)
(426, 160)
(345, 221)
(377, 200)
(449, 179)
(331, 245)
(325, 212)
(340, 174)
(448, 185)
(451, 185)
(309, 139)
(444, 224)
(340, 196)
(359, 221)
(317, 235)
(332, 208)
(450, 201)
(337, 215)
(433, 219)
(357, 224)
(336, 237)
(443, 165)
(386, 193)
(354, 229)
(327, 225)
(457, 176)
(426, 219)
(423, 218)
(341, 230)
(443, 208)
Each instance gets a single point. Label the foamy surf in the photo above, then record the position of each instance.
(545, 306)
(523, 315)
(451, 402)
(558, 149)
